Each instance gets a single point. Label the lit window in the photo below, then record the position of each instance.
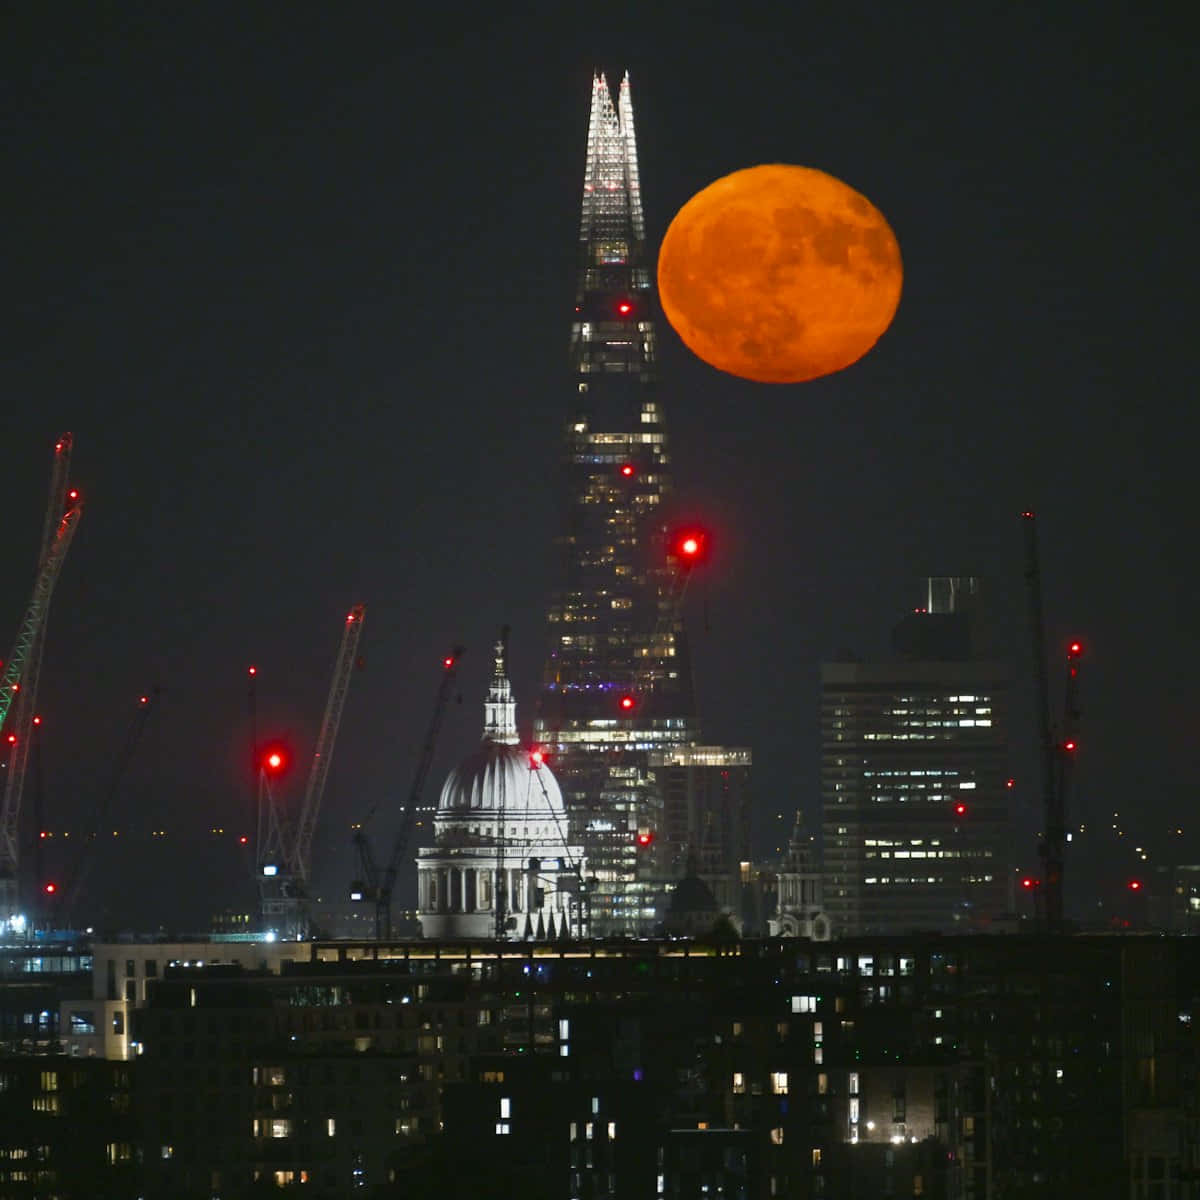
(779, 1083)
(502, 1127)
(777, 1135)
(739, 1083)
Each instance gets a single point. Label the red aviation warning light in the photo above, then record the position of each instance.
(274, 760)
(252, 671)
(1135, 885)
(448, 661)
(627, 703)
(536, 758)
(1070, 746)
(627, 470)
(1010, 784)
(624, 307)
(645, 838)
(1028, 884)
(1075, 649)
(960, 809)
(73, 494)
(690, 546)
(50, 888)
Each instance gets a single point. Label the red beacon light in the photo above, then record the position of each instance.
(50, 889)
(1070, 746)
(960, 809)
(1075, 649)
(627, 703)
(1010, 784)
(628, 471)
(536, 758)
(73, 494)
(1135, 885)
(1027, 883)
(274, 760)
(624, 307)
(448, 661)
(252, 671)
(645, 838)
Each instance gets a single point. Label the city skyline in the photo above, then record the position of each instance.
(293, 388)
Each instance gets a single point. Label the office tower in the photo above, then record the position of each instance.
(914, 773)
(617, 684)
(706, 816)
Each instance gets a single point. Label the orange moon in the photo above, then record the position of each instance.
(779, 274)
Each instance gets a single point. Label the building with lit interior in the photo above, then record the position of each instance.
(501, 864)
(914, 774)
(617, 687)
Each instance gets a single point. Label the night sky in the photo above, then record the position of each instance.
(300, 284)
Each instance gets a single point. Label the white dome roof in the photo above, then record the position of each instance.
(500, 776)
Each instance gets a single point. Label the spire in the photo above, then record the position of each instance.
(612, 229)
(500, 709)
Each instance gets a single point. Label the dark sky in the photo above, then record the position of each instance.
(300, 282)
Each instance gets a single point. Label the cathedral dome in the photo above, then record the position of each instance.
(499, 776)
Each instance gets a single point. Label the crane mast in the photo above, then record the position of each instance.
(11, 679)
(285, 860)
(24, 706)
(1056, 753)
(369, 885)
(323, 754)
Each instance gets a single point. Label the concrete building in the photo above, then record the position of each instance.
(914, 775)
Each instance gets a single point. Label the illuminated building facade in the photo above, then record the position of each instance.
(914, 774)
(706, 815)
(617, 684)
(500, 865)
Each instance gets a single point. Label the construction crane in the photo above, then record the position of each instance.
(285, 848)
(64, 897)
(12, 677)
(24, 704)
(1057, 751)
(368, 885)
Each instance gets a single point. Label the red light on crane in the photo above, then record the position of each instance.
(624, 308)
(37, 720)
(645, 838)
(143, 699)
(252, 671)
(1070, 746)
(448, 661)
(960, 809)
(1027, 883)
(627, 470)
(628, 703)
(1010, 784)
(1075, 649)
(274, 760)
(50, 888)
(1135, 885)
(536, 758)
(243, 840)
(12, 739)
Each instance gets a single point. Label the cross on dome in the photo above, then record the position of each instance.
(500, 709)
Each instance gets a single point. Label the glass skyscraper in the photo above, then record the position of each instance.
(617, 686)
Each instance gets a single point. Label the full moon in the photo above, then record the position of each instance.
(779, 274)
